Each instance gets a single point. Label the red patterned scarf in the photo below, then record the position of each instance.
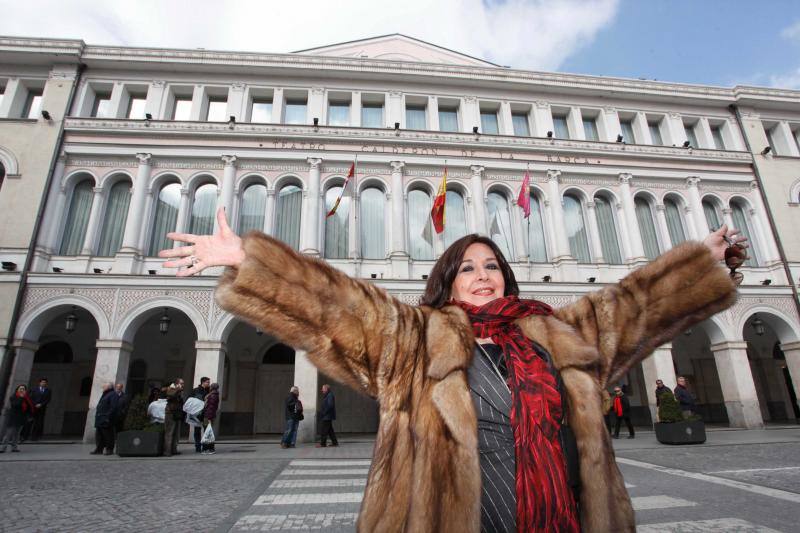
(544, 499)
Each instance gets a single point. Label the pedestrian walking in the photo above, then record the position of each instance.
(200, 393)
(173, 414)
(622, 411)
(40, 396)
(209, 414)
(20, 409)
(327, 416)
(436, 461)
(293, 409)
(105, 415)
(684, 397)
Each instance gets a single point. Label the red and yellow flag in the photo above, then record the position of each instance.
(437, 211)
(345, 190)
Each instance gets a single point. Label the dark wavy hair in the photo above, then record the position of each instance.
(441, 278)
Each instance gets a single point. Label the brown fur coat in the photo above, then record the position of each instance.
(425, 474)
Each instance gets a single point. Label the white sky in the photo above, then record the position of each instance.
(529, 34)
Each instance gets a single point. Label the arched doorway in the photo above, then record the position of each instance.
(275, 378)
(694, 360)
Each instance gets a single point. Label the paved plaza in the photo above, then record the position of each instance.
(742, 481)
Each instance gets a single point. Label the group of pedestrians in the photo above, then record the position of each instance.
(293, 410)
(174, 413)
(25, 415)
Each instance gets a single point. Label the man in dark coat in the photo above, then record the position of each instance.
(40, 396)
(327, 416)
(622, 409)
(104, 418)
(173, 414)
(123, 403)
(293, 415)
(200, 393)
(684, 397)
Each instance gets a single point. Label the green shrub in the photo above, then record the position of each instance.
(137, 419)
(669, 410)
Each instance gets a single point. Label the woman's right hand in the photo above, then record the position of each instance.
(224, 248)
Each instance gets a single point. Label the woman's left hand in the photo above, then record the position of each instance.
(718, 241)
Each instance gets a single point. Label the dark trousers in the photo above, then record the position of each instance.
(104, 438)
(38, 424)
(627, 422)
(172, 430)
(325, 431)
(198, 436)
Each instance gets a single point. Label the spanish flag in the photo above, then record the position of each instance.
(437, 211)
(345, 190)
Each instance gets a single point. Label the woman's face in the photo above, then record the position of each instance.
(22, 389)
(479, 279)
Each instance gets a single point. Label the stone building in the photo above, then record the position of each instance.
(155, 140)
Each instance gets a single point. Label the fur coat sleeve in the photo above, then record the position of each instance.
(627, 321)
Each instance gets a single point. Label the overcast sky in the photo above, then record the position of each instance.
(717, 42)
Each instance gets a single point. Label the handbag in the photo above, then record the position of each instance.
(208, 435)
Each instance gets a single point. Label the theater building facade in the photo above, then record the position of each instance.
(155, 140)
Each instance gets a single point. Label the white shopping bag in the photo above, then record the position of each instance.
(193, 406)
(208, 435)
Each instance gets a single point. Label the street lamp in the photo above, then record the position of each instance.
(758, 325)
(72, 319)
(163, 324)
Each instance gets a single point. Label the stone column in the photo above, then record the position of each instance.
(738, 388)
(277, 106)
(111, 366)
(543, 119)
(658, 366)
(13, 99)
(561, 244)
(696, 204)
(661, 226)
(637, 250)
(355, 109)
(155, 98)
(759, 217)
(727, 217)
(225, 198)
(306, 378)
(471, 114)
(56, 200)
(135, 221)
(624, 231)
(269, 212)
(394, 109)
(236, 105)
(316, 105)
(118, 103)
(94, 224)
(792, 352)
(703, 133)
(594, 233)
(433, 113)
(641, 130)
(575, 124)
(478, 200)
(676, 134)
(354, 225)
(20, 371)
(182, 222)
(608, 125)
(398, 248)
(309, 226)
(199, 103)
(209, 362)
(506, 120)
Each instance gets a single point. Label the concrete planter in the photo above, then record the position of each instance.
(686, 432)
(140, 443)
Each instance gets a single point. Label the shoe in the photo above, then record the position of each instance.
(335, 445)
(291, 446)
(210, 452)
(321, 445)
(631, 437)
(615, 436)
(108, 452)
(95, 452)
(284, 445)
(15, 450)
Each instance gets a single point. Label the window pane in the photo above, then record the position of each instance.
(261, 112)
(609, 242)
(560, 129)
(34, 105)
(169, 199)
(489, 122)
(295, 112)
(114, 223)
(102, 106)
(456, 222)
(217, 111)
(373, 209)
(339, 114)
(537, 247)
(136, 108)
(372, 116)
(520, 123)
(627, 131)
(690, 136)
(420, 230)
(183, 109)
(77, 219)
(448, 120)
(742, 222)
(674, 222)
(590, 129)
(655, 133)
(287, 215)
(336, 225)
(203, 207)
(716, 134)
(576, 229)
(712, 216)
(647, 228)
(500, 224)
(415, 118)
(254, 203)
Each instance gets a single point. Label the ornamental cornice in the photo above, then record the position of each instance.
(360, 171)
(279, 167)
(745, 304)
(714, 187)
(105, 162)
(104, 298)
(657, 184)
(435, 173)
(603, 182)
(188, 164)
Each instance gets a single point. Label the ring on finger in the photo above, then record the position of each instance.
(193, 260)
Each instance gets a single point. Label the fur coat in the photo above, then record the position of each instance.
(425, 475)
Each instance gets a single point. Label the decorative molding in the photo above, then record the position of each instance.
(280, 167)
(111, 162)
(397, 166)
(706, 187)
(315, 163)
(603, 182)
(238, 86)
(692, 181)
(744, 305)
(188, 164)
(102, 297)
(229, 160)
(477, 170)
(554, 175)
(625, 178)
(158, 84)
(144, 159)
(433, 173)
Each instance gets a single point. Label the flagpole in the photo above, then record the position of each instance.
(528, 218)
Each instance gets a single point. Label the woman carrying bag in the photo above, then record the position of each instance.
(209, 414)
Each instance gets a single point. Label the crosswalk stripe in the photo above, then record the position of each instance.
(644, 503)
(294, 522)
(325, 472)
(295, 499)
(314, 483)
(705, 526)
(331, 462)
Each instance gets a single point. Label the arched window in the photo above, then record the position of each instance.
(455, 224)
(674, 222)
(116, 214)
(77, 218)
(373, 209)
(420, 230)
(203, 207)
(606, 225)
(647, 227)
(336, 225)
(251, 213)
(576, 229)
(169, 199)
(742, 222)
(713, 217)
(537, 245)
(500, 223)
(288, 207)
